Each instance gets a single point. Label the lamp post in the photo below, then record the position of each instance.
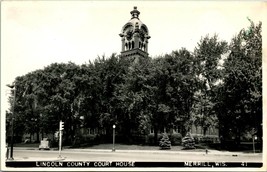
(12, 122)
(253, 137)
(113, 149)
(82, 122)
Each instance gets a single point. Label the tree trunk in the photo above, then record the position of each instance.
(42, 134)
(238, 135)
(155, 135)
(37, 133)
(204, 131)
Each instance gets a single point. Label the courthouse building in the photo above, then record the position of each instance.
(134, 45)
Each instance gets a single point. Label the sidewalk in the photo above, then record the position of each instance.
(211, 152)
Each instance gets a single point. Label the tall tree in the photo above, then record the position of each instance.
(208, 55)
(170, 87)
(241, 96)
(131, 98)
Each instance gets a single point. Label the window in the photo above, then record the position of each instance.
(151, 130)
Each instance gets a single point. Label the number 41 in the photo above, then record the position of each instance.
(244, 164)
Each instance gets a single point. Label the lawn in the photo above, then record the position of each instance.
(139, 147)
(117, 147)
(31, 145)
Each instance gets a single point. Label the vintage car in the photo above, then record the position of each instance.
(45, 144)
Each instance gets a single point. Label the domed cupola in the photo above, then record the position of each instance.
(134, 36)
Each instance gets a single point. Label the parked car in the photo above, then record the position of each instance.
(45, 144)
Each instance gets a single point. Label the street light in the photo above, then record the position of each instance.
(81, 125)
(12, 121)
(113, 149)
(253, 138)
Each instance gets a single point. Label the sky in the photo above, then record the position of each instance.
(35, 34)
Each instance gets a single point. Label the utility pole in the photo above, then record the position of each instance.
(113, 149)
(12, 122)
(253, 137)
(61, 128)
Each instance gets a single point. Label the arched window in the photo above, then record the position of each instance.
(144, 28)
(126, 45)
(132, 45)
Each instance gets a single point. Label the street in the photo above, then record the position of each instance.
(124, 155)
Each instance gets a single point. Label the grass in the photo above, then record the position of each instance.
(117, 146)
(139, 147)
(27, 145)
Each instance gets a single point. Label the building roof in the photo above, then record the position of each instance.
(135, 22)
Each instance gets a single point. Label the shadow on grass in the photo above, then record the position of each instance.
(138, 147)
(245, 147)
(27, 145)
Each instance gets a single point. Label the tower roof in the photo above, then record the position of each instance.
(135, 13)
(134, 37)
(135, 21)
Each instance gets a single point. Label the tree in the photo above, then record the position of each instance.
(181, 88)
(241, 96)
(170, 88)
(208, 57)
(131, 98)
(165, 142)
(183, 85)
(43, 97)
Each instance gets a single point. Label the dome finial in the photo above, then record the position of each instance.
(135, 13)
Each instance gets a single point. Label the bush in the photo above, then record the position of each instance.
(54, 143)
(150, 139)
(176, 138)
(210, 139)
(188, 141)
(165, 142)
(139, 139)
(83, 140)
(89, 138)
(197, 138)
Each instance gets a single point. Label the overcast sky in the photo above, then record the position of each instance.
(35, 34)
